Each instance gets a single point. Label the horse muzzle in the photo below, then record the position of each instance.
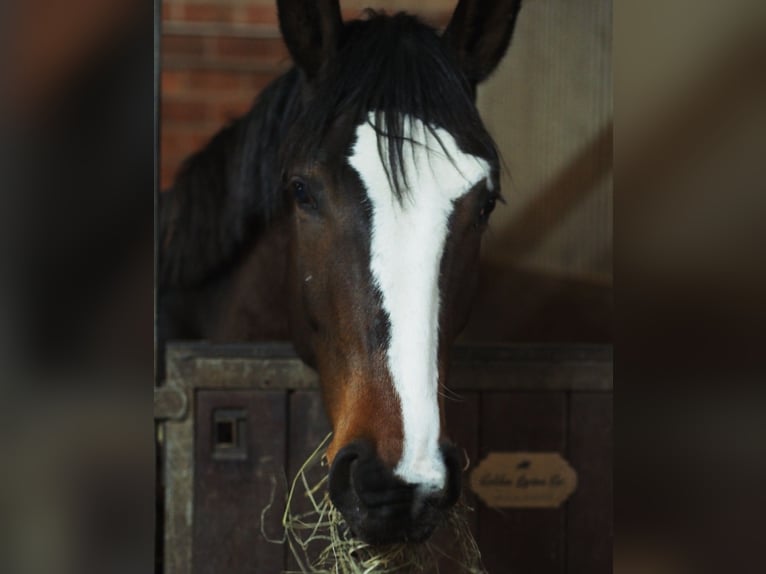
(378, 506)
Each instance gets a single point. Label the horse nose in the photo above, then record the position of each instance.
(378, 506)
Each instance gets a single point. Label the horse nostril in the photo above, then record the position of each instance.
(378, 506)
(341, 489)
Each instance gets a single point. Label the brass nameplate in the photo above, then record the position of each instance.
(523, 480)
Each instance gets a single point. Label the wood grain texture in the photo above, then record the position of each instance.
(522, 540)
(230, 495)
(589, 511)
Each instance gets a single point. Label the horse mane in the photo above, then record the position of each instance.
(225, 194)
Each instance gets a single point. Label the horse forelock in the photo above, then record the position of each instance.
(397, 67)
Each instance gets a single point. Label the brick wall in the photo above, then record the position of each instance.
(216, 57)
(218, 54)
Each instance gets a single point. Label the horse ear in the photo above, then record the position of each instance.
(479, 33)
(311, 29)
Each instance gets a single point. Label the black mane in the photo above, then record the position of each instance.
(228, 192)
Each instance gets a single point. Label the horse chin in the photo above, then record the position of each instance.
(381, 531)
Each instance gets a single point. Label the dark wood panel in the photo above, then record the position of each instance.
(463, 426)
(523, 304)
(233, 486)
(589, 511)
(308, 427)
(522, 540)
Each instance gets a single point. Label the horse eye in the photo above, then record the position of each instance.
(487, 208)
(301, 194)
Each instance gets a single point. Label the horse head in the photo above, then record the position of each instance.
(391, 177)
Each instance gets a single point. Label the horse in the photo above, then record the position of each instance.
(345, 212)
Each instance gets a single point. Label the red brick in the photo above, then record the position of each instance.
(179, 141)
(263, 50)
(261, 15)
(175, 111)
(182, 45)
(254, 82)
(224, 111)
(225, 83)
(174, 81)
(208, 13)
(172, 9)
(215, 81)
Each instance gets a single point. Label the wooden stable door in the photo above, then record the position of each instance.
(248, 439)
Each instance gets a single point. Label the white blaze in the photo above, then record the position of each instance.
(406, 249)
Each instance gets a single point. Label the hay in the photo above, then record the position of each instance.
(321, 542)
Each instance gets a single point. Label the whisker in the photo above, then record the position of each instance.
(449, 394)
